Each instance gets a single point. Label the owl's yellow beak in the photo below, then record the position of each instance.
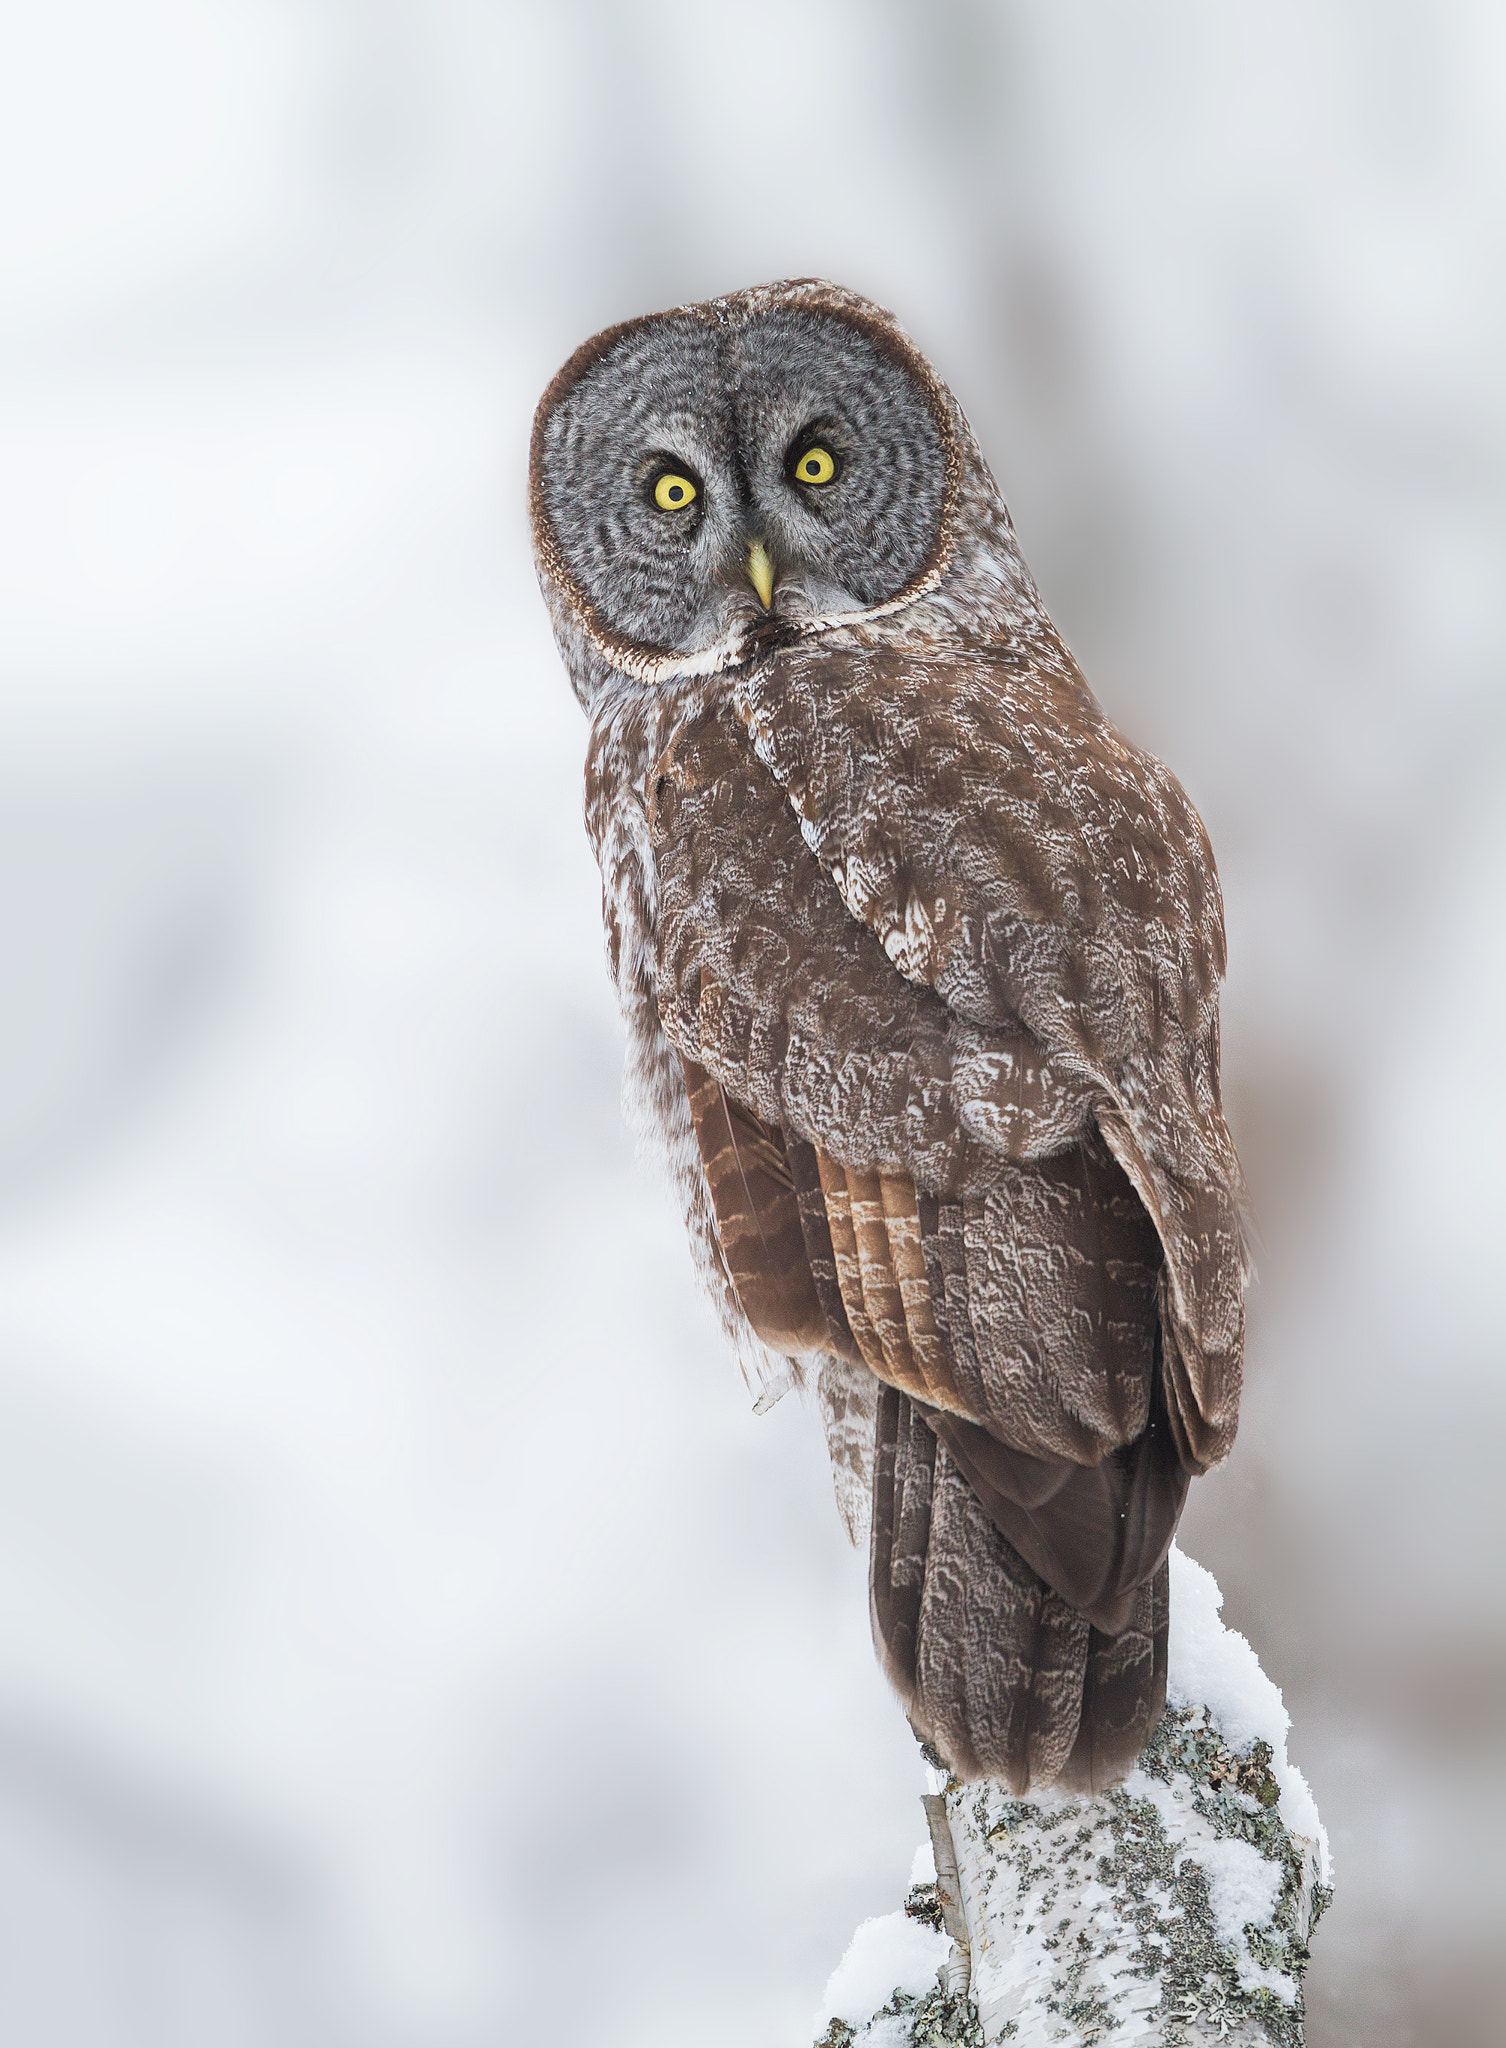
(761, 573)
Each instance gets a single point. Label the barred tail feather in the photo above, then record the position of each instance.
(995, 1669)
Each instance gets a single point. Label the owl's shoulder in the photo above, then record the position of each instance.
(991, 765)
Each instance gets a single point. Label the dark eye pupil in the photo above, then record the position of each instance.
(675, 493)
(811, 466)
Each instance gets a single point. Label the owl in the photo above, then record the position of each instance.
(919, 961)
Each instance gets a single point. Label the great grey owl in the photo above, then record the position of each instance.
(920, 964)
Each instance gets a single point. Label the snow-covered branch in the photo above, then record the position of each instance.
(1175, 1909)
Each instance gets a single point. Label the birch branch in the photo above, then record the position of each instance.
(1175, 1909)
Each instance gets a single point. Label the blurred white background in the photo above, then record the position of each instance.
(408, 1637)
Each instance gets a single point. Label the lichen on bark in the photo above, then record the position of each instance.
(934, 2019)
(1111, 1916)
(1109, 1919)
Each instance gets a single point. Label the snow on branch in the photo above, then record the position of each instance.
(1175, 1909)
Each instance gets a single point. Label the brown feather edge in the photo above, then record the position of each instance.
(881, 1292)
(845, 1255)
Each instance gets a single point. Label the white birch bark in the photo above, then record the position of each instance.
(1173, 1909)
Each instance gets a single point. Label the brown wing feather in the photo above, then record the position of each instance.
(882, 1299)
(1030, 1313)
(1094, 1533)
(766, 979)
(757, 1218)
(904, 1459)
(1015, 856)
(819, 1250)
(1060, 1263)
(907, 1263)
(942, 1239)
(910, 1182)
(844, 1246)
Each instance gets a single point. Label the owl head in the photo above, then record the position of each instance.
(758, 470)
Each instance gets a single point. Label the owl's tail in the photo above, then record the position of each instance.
(995, 1669)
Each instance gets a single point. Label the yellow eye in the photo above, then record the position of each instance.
(815, 467)
(673, 493)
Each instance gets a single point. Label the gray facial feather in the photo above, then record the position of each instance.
(728, 406)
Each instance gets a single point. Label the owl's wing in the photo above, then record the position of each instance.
(966, 1234)
(1013, 855)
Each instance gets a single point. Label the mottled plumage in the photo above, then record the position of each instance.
(920, 962)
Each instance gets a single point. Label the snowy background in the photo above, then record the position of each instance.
(408, 1637)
